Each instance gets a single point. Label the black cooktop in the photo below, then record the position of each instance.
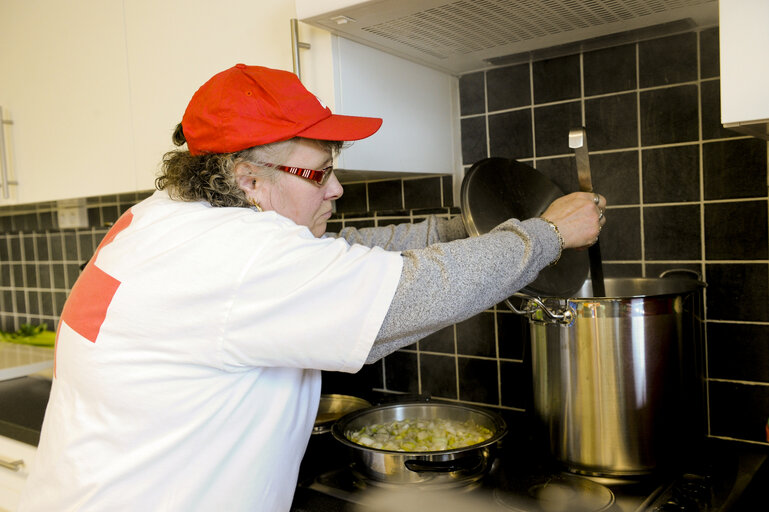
(711, 478)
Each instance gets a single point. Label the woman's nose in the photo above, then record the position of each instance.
(334, 189)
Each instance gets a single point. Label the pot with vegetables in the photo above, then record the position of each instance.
(421, 443)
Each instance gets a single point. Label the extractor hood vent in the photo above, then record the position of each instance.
(463, 35)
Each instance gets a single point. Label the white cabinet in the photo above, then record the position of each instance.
(174, 46)
(94, 88)
(16, 459)
(744, 71)
(419, 106)
(64, 86)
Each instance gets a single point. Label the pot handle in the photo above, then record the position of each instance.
(672, 271)
(564, 317)
(444, 466)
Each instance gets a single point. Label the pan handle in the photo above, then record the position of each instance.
(444, 466)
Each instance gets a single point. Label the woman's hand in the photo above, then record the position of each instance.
(579, 218)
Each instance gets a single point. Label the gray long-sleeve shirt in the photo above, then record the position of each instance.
(447, 278)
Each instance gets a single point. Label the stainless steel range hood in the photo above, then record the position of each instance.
(468, 35)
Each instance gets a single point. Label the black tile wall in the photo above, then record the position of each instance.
(512, 335)
(738, 352)
(733, 231)
(439, 375)
(515, 385)
(506, 88)
(385, 195)
(671, 174)
(621, 238)
(500, 128)
(556, 79)
(473, 139)
(471, 94)
(617, 174)
(683, 192)
(669, 115)
(668, 60)
(552, 124)
(734, 169)
(479, 380)
(476, 336)
(610, 70)
(672, 232)
(710, 107)
(709, 53)
(738, 411)
(402, 372)
(439, 341)
(612, 121)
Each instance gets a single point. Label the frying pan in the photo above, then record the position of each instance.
(497, 189)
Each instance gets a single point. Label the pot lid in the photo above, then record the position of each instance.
(497, 189)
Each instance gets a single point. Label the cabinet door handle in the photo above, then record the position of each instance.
(13, 465)
(295, 46)
(5, 184)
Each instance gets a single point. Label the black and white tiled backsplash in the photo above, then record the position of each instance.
(683, 192)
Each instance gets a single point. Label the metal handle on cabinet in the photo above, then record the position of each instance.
(295, 46)
(13, 465)
(5, 183)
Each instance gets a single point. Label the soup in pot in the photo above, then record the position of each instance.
(420, 435)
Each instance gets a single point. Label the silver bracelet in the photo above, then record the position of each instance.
(560, 241)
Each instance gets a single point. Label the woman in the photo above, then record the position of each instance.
(189, 352)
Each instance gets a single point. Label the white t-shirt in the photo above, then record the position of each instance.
(188, 359)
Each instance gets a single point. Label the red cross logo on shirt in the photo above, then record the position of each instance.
(87, 304)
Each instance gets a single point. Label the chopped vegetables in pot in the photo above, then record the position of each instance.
(420, 435)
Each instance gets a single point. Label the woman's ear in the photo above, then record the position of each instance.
(245, 178)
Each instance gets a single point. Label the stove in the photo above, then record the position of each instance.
(523, 479)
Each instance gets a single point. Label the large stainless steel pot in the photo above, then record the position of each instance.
(617, 379)
(446, 467)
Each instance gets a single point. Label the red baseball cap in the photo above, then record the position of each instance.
(247, 106)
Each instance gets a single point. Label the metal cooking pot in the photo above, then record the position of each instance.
(332, 407)
(618, 379)
(446, 467)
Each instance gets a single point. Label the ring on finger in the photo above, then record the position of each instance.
(596, 198)
(600, 215)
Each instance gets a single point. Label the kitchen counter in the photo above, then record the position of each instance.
(17, 360)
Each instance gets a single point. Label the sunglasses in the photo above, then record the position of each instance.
(319, 177)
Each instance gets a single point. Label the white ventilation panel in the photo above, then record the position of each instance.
(467, 35)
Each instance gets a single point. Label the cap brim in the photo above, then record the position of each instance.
(342, 128)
